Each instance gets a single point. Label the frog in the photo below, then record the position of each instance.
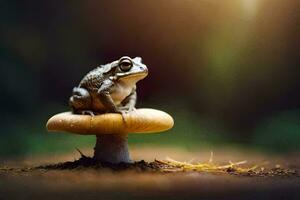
(109, 88)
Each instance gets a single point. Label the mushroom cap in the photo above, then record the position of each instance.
(139, 121)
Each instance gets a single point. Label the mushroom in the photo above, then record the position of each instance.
(111, 129)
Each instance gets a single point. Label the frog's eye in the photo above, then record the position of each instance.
(125, 65)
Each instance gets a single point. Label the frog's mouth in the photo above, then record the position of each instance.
(136, 76)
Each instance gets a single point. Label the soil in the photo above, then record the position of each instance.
(84, 178)
(160, 167)
(89, 163)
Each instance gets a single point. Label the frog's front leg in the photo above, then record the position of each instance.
(128, 104)
(105, 97)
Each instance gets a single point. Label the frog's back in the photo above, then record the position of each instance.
(92, 81)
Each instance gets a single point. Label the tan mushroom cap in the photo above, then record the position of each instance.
(140, 121)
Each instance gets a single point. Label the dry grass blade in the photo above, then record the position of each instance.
(237, 168)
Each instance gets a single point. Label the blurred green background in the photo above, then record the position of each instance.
(226, 70)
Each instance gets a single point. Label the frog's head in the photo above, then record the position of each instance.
(130, 70)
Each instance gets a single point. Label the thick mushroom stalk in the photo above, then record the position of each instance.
(112, 148)
(111, 129)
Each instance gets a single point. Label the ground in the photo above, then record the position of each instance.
(17, 182)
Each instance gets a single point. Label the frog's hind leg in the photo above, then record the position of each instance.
(81, 101)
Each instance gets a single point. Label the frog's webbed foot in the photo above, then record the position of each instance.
(123, 113)
(124, 110)
(127, 109)
(88, 112)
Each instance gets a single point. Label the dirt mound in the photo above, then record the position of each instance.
(170, 166)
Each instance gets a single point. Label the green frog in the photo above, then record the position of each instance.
(109, 88)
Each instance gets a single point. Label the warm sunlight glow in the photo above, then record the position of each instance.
(250, 8)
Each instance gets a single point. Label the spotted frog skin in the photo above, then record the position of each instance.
(109, 88)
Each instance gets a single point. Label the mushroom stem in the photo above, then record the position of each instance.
(112, 148)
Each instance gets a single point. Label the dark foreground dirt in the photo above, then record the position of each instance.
(52, 178)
